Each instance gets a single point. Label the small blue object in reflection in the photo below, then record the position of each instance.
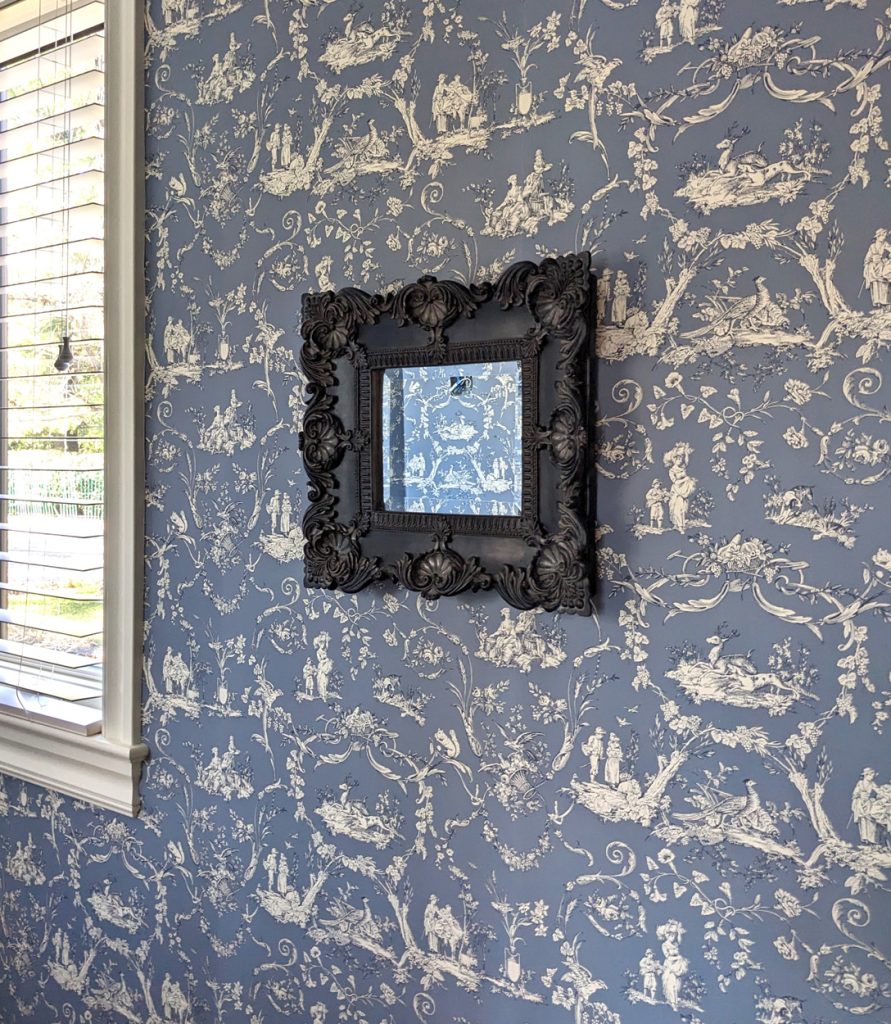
(460, 385)
(452, 439)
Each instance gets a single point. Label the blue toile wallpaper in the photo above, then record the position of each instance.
(372, 809)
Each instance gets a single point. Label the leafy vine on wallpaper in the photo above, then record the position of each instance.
(376, 809)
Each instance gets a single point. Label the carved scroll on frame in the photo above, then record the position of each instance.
(535, 322)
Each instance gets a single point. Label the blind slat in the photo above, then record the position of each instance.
(62, 714)
(51, 469)
(32, 408)
(81, 342)
(38, 532)
(46, 563)
(47, 214)
(51, 685)
(50, 312)
(40, 499)
(19, 140)
(56, 595)
(47, 656)
(30, 23)
(89, 77)
(50, 376)
(55, 438)
(27, 621)
(91, 243)
(63, 176)
(87, 154)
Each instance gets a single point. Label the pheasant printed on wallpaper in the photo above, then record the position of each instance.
(380, 810)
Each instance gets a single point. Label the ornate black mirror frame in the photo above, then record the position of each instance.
(537, 314)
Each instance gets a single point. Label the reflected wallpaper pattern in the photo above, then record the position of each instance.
(452, 439)
(380, 810)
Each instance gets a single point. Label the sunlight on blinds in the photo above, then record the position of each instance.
(51, 359)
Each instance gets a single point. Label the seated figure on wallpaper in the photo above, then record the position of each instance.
(227, 76)
(224, 775)
(22, 866)
(529, 202)
(517, 644)
(229, 431)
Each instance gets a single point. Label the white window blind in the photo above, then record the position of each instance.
(51, 360)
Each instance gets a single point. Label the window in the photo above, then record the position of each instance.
(71, 396)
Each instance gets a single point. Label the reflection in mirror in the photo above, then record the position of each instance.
(452, 439)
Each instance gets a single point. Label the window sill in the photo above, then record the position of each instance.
(88, 768)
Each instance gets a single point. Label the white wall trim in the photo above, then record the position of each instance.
(105, 770)
(88, 768)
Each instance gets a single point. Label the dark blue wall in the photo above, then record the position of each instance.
(378, 810)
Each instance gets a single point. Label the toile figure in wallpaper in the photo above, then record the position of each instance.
(375, 809)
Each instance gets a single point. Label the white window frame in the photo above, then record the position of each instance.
(104, 769)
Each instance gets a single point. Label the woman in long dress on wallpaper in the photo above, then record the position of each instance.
(687, 18)
(621, 291)
(674, 968)
(682, 484)
(877, 268)
(682, 487)
(613, 760)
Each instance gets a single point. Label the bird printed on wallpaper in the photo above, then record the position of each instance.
(655, 117)
(583, 981)
(356, 150)
(739, 313)
(372, 145)
(514, 769)
(347, 921)
(733, 810)
(596, 69)
(363, 32)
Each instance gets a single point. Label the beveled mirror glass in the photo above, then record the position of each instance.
(452, 439)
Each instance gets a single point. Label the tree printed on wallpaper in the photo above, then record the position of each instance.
(375, 809)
